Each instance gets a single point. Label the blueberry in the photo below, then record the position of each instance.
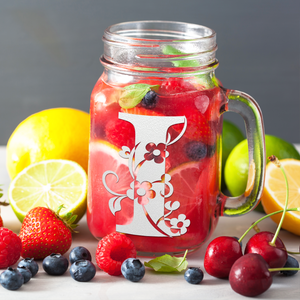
(11, 279)
(193, 275)
(55, 264)
(150, 100)
(31, 264)
(26, 273)
(290, 263)
(83, 270)
(79, 253)
(196, 150)
(132, 269)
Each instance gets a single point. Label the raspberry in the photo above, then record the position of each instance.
(120, 133)
(175, 86)
(10, 248)
(112, 250)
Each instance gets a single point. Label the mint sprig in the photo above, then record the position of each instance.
(169, 50)
(202, 79)
(133, 94)
(168, 263)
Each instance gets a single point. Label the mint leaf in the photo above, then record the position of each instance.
(169, 50)
(202, 79)
(168, 263)
(134, 93)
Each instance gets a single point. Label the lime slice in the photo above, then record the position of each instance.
(50, 183)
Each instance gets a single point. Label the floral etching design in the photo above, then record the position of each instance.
(146, 163)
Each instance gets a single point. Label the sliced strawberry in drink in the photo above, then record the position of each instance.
(121, 133)
(197, 107)
(175, 86)
(139, 110)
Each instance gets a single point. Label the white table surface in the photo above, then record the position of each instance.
(153, 285)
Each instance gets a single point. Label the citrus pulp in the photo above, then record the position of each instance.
(274, 193)
(49, 183)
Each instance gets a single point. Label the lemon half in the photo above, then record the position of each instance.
(274, 193)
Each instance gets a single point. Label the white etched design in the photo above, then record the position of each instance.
(147, 166)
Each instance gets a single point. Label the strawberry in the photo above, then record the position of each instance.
(43, 232)
(121, 133)
(175, 86)
(139, 110)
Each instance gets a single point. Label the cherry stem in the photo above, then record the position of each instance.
(283, 269)
(274, 159)
(291, 252)
(266, 216)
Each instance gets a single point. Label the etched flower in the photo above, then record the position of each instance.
(157, 153)
(142, 191)
(180, 223)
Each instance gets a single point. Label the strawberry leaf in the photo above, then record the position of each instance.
(133, 94)
(168, 263)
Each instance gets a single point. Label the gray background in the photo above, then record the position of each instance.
(49, 52)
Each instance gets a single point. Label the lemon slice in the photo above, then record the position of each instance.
(49, 183)
(274, 194)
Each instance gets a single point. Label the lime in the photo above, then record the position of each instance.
(49, 183)
(231, 136)
(236, 167)
(56, 133)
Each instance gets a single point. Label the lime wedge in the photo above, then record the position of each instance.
(49, 183)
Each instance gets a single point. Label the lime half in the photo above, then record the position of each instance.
(50, 183)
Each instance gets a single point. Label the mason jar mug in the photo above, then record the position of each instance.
(155, 139)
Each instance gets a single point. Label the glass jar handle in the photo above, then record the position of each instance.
(247, 107)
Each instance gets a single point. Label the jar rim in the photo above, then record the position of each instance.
(159, 46)
(135, 32)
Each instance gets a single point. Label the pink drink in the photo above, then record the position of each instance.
(155, 145)
(192, 163)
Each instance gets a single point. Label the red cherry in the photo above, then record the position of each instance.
(249, 275)
(220, 255)
(275, 256)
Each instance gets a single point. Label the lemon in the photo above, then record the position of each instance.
(56, 133)
(231, 136)
(49, 183)
(236, 167)
(274, 194)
